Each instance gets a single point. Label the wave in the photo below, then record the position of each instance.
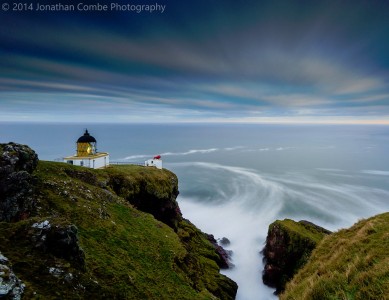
(220, 185)
(329, 202)
(240, 203)
(330, 170)
(202, 151)
(247, 205)
(205, 151)
(131, 157)
(189, 152)
(376, 172)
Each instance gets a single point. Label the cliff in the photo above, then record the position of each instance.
(349, 264)
(69, 232)
(288, 247)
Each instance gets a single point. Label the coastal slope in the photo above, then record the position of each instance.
(69, 232)
(352, 263)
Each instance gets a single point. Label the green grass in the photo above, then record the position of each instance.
(300, 230)
(349, 264)
(128, 253)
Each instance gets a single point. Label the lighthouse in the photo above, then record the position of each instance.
(87, 155)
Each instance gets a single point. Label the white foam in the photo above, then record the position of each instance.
(243, 217)
(376, 172)
(189, 152)
(249, 201)
(330, 170)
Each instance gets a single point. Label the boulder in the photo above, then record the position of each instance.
(11, 287)
(59, 240)
(15, 157)
(17, 162)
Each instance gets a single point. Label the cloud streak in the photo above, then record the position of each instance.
(257, 64)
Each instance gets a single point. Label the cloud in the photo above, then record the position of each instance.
(265, 63)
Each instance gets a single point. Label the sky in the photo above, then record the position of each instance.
(196, 61)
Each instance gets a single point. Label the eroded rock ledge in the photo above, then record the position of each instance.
(288, 247)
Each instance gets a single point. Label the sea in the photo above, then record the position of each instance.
(236, 179)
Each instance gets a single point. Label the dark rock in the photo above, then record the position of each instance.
(225, 256)
(201, 263)
(288, 247)
(11, 287)
(16, 157)
(224, 241)
(59, 240)
(17, 162)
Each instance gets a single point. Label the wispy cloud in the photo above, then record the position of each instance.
(256, 64)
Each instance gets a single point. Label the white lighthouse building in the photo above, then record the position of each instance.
(87, 155)
(155, 162)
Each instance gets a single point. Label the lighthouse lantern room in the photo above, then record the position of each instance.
(87, 155)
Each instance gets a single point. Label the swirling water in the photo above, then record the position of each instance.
(235, 180)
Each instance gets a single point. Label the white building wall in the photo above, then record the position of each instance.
(100, 162)
(94, 163)
(154, 163)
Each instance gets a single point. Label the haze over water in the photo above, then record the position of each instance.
(235, 180)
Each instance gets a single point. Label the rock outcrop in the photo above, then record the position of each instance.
(288, 247)
(17, 162)
(158, 199)
(59, 240)
(11, 287)
(219, 285)
(224, 255)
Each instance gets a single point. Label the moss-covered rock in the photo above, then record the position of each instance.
(17, 162)
(349, 264)
(149, 189)
(201, 261)
(288, 247)
(84, 239)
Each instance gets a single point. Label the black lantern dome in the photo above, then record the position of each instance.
(86, 138)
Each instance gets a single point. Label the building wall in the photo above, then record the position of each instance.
(100, 162)
(154, 163)
(93, 162)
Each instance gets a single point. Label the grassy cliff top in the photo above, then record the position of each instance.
(349, 264)
(302, 230)
(128, 253)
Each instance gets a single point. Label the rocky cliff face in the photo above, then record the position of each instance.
(288, 247)
(71, 232)
(17, 162)
(157, 197)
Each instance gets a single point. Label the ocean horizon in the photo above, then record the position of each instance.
(236, 179)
